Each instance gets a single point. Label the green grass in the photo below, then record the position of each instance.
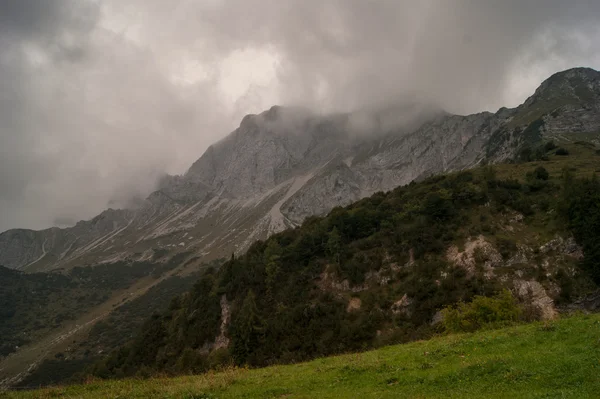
(582, 161)
(557, 360)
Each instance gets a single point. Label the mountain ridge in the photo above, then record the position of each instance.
(233, 193)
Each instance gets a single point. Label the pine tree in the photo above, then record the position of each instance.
(246, 330)
(334, 245)
(272, 255)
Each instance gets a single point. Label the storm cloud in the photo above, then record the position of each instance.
(98, 98)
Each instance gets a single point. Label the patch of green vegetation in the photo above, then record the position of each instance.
(540, 360)
(582, 161)
(482, 312)
(580, 207)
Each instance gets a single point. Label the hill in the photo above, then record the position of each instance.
(540, 360)
(380, 270)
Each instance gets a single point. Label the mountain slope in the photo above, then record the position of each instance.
(380, 270)
(286, 164)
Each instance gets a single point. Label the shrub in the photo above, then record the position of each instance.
(562, 151)
(549, 146)
(541, 173)
(482, 312)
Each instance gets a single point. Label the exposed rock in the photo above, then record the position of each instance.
(535, 292)
(522, 256)
(590, 302)
(437, 318)
(411, 257)
(353, 304)
(328, 281)
(402, 305)
(567, 247)
(379, 277)
(474, 248)
(222, 341)
(516, 218)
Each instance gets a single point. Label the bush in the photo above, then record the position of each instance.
(580, 208)
(562, 151)
(540, 173)
(482, 312)
(506, 247)
(549, 146)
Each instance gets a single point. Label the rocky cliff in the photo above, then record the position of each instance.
(285, 164)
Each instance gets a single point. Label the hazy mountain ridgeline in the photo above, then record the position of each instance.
(286, 164)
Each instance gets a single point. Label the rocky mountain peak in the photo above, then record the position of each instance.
(573, 86)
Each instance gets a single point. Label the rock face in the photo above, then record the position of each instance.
(286, 164)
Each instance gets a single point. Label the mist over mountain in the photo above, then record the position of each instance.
(96, 106)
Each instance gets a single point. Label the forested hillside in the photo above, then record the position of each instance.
(34, 303)
(379, 271)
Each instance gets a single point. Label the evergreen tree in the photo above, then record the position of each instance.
(271, 258)
(247, 330)
(334, 245)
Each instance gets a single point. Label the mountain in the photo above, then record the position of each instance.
(286, 164)
(381, 271)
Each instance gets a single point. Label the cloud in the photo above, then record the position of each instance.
(98, 98)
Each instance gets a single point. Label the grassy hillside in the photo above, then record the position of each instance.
(378, 271)
(540, 360)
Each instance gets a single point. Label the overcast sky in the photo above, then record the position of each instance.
(99, 97)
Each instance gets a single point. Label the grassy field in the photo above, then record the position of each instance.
(556, 360)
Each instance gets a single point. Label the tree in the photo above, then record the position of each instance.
(438, 205)
(247, 330)
(272, 256)
(580, 206)
(334, 245)
(549, 146)
(541, 173)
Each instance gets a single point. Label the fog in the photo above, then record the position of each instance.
(98, 98)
